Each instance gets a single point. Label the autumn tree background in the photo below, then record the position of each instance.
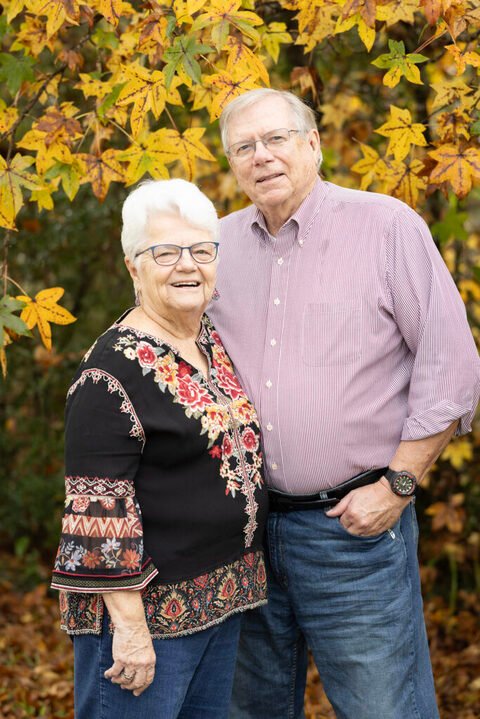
(95, 96)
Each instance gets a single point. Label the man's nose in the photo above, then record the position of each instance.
(261, 153)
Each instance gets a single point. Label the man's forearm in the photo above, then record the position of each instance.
(417, 456)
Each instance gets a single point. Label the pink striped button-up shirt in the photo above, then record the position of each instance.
(347, 332)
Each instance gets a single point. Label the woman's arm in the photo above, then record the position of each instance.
(133, 665)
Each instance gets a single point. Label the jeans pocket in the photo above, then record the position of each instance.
(360, 537)
(331, 334)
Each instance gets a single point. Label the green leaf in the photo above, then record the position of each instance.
(451, 226)
(182, 54)
(110, 100)
(476, 273)
(15, 70)
(104, 38)
(9, 320)
(475, 128)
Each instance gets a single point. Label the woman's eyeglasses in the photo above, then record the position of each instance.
(201, 252)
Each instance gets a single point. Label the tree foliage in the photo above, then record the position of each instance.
(95, 96)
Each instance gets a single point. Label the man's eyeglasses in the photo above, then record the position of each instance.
(201, 252)
(273, 139)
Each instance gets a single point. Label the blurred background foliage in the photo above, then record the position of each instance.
(64, 231)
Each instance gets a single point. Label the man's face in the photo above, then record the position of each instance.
(274, 177)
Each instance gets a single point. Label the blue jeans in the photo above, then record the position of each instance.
(193, 677)
(356, 602)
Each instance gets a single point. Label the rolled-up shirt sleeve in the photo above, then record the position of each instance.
(101, 547)
(431, 316)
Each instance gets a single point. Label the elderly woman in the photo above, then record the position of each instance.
(165, 504)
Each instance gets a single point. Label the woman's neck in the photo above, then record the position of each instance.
(180, 328)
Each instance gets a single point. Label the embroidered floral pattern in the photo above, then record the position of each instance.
(219, 403)
(183, 608)
(113, 385)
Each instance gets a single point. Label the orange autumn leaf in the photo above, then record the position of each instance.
(101, 171)
(43, 310)
(456, 165)
(448, 515)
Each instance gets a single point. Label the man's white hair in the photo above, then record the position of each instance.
(304, 116)
(154, 197)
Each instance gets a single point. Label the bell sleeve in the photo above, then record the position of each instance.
(101, 547)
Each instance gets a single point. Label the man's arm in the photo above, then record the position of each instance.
(373, 509)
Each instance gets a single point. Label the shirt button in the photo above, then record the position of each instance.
(300, 242)
(274, 465)
(269, 427)
(273, 342)
(276, 301)
(268, 383)
(280, 261)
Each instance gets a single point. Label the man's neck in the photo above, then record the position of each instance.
(276, 217)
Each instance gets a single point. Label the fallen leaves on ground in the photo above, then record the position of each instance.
(36, 662)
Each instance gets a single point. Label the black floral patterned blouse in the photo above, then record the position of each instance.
(164, 488)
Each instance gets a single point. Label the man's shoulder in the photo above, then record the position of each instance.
(243, 217)
(345, 195)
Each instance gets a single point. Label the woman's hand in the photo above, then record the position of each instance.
(134, 657)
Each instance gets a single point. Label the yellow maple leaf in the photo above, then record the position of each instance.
(223, 13)
(457, 165)
(112, 10)
(397, 11)
(458, 452)
(462, 59)
(14, 176)
(8, 116)
(404, 181)
(43, 310)
(187, 147)
(15, 8)
(101, 171)
(146, 91)
(202, 96)
(91, 87)
(33, 37)
(366, 32)
(57, 13)
(453, 125)
(449, 92)
(274, 35)
(402, 132)
(371, 166)
(240, 56)
(228, 86)
(340, 109)
(147, 155)
(316, 22)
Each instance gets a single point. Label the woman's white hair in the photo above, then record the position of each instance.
(303, 115)
(164, 196)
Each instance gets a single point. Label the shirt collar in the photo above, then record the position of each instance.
(303, 216)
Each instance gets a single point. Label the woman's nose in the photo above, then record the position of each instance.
(186, 260)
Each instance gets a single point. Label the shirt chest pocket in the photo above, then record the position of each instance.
(331, 334)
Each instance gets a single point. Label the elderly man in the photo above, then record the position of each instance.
(348, 334)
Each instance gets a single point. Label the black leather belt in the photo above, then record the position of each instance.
(282, 502)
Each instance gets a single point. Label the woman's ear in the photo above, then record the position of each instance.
(132, 270)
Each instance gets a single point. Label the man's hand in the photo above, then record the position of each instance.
(133, 658)
(369, 510)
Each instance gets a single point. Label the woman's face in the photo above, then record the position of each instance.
(185, 287)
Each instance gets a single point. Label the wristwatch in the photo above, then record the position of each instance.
(402, 483)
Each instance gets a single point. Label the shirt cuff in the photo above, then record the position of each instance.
(437, 419)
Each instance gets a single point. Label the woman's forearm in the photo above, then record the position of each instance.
(125, 608)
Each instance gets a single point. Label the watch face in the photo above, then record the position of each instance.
(403, 484)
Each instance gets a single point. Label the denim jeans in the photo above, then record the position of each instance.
(193, 677)
(356, 602)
